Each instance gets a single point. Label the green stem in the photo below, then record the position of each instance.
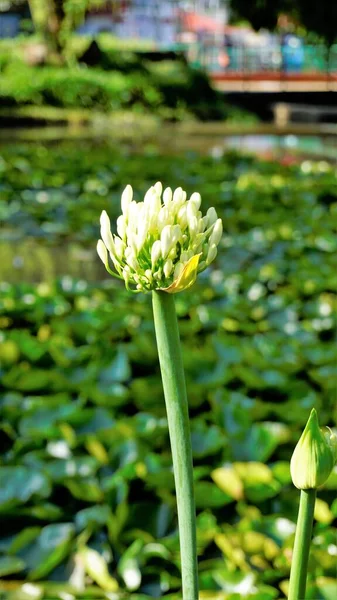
(299, 565)
(172, 372)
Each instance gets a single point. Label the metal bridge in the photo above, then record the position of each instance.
(307, 68)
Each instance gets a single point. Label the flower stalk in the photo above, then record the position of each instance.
(161, 245)
(300, 559)
(311, 465)
(170, 359)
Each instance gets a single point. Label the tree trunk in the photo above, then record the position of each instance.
(48, 18)
(54, 23)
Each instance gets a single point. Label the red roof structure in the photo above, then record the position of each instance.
(195, 22)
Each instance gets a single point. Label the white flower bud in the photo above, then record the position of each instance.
(155, 252)
(191, 211)
(176, 234)
(167, 196)
(204, 222)
(201, 225)
(168, 266)
(121, 227)
(216, 233)
(158, 274)
(212, 252)
(119, 248)
(158, 187)
(102, 252)
(182, 216)
(193, 226)
(133, 214)
(164, 218)
(133, 263)
(126, 199)
(141, 234)
(151, 192)
(165, 240)
(106, 232)
(212, 216)
(154, 208)
(132, 243)
(196, 200)
(178, 196)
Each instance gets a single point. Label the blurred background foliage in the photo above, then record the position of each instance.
(121, 80)
(87, 497)
(87, 504)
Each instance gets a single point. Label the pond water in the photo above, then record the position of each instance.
(281, 146)
(40, 240)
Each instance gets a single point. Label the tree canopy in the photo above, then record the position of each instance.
(319, 17)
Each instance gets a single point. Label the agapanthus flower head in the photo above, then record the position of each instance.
(314, 456)
(163, 242)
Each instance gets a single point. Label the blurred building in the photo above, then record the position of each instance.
(151, 20)
(137, 19)
(160, 21)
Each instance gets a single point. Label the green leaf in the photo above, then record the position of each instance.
(87, 490)
(118, 371)
(49, 549)
(206, 440)
(208, 495)
(10, 565)
(19, 484)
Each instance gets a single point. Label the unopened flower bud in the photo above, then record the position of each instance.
(314, 456)
(126, 199)
(196, 200)
(167, 196)
(155, 252)
(105, 231)
(165, 239)
(212, 252)
(178, 195)
(216, 233)
(212, 216)
(102, 252)
(158, 187)
(119, 248)
(168, 266)
(121, 227)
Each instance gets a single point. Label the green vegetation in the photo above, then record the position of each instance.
(89, 494)
(170, 90)
(122, 78)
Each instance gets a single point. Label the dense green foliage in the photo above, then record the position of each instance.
(170, 89)
(86, 456)
(119, 78)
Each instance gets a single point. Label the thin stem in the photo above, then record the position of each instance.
(299, 565)
(172, 372)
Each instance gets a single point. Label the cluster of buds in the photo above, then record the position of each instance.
(314, 456)
(162, 242)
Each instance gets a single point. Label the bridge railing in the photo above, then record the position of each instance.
(277, 59)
